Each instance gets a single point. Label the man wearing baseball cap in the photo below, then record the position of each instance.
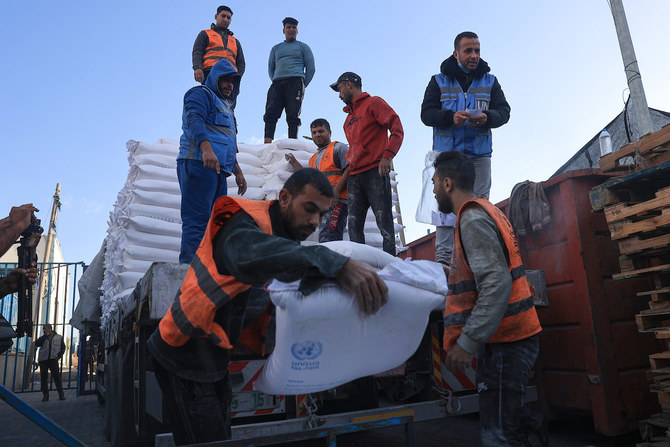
(371, 149)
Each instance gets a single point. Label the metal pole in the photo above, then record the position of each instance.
(638, 99)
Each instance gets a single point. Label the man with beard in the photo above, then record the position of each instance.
(463, 103)
(489, 312)
(371, 149)
(246, 243)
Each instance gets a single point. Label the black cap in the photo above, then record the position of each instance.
(347, 76)
(290, 21)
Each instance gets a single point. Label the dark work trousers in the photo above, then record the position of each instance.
(200, 187)
(284, 94)
(197, 411)
(236, 88)
(333, 223)
(45, 367)
(366, 190)
(502, 375)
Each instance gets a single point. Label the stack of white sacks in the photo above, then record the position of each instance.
(145, 223)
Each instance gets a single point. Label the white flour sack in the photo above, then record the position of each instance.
(322, 340)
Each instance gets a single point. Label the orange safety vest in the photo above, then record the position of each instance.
(520, 320)
(328, 167)
(204, 289)
(217, 50)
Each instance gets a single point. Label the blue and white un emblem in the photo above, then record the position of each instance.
(307, 350)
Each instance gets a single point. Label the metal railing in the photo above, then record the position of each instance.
(55, 306)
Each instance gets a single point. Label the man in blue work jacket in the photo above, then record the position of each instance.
(207, 153)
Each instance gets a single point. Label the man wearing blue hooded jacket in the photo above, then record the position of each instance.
(207, 153)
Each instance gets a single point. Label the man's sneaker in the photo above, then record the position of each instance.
(45, 398)
(61, 396)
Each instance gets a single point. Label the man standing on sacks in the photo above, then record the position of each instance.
(215, 44)
(247, 243)
(462, 104)
(207, 153)
(371, 149)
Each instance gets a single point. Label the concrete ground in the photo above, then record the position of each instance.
(84, 418)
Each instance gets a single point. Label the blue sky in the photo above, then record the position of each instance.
(80, 78)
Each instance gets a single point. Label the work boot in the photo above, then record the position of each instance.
(45, 398)
(61, 395)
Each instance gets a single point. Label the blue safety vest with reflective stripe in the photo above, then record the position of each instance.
(220, 125)
(473, 141)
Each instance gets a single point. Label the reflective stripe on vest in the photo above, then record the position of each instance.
(520, 319)
(328, 167)
(204, 289)
(473, 141)
(217, 50)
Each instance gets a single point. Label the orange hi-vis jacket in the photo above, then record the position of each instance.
(204, 289)
(520, 320)
(328, 167)
(217, 50)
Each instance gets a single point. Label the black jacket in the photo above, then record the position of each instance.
(432, 113)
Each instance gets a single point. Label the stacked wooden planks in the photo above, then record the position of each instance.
(637, 210)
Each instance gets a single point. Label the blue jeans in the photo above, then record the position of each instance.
(502, 375)
(200, 187)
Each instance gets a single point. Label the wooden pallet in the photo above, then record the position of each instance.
(655, 427)
(650, 147)
(628, 269)
(637, 244)
(645, 219)
(635, 188)
(652, 320)
(660, 360)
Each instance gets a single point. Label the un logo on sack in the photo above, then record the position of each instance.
(307, 350)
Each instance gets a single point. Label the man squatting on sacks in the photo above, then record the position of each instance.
(291, 69)
(246, 244)
(207, 151)
(367, 125)
(489, 311)
(331, 160)
(215, 44)
(463, 86)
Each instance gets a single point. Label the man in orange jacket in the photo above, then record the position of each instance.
(218, 43)
(330, 159)
(489, 312)
(247, 243)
